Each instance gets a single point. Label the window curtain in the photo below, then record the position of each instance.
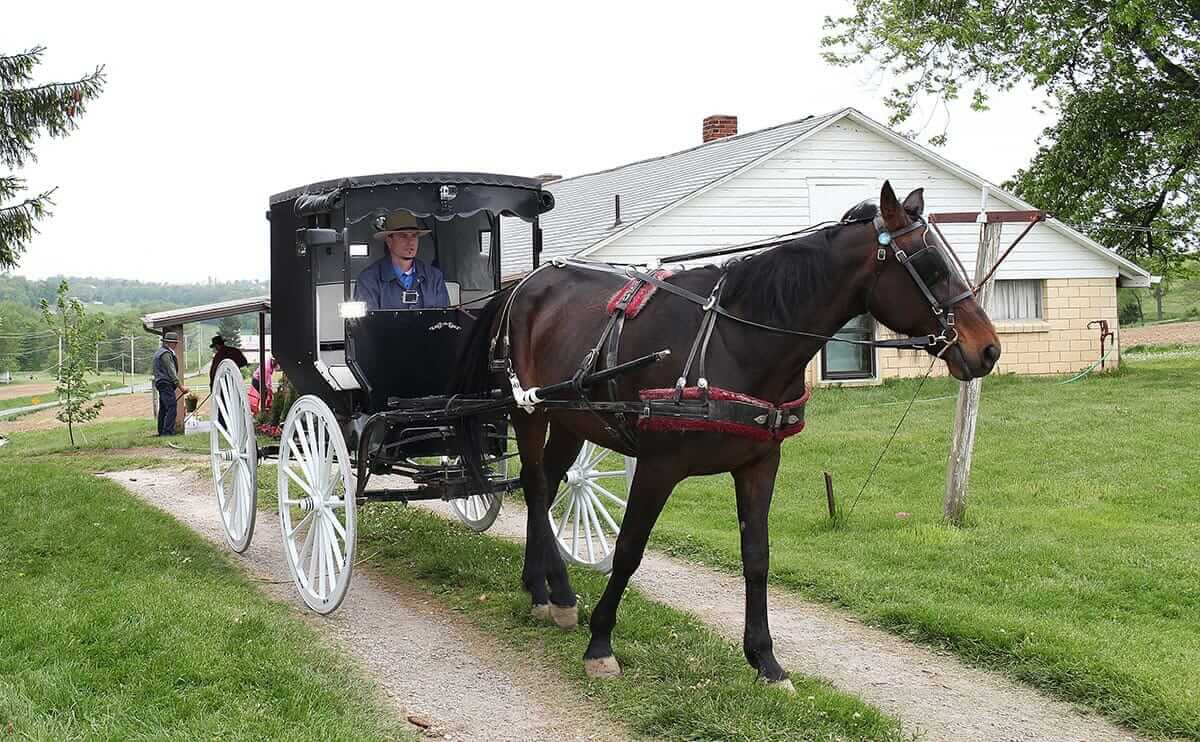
(1015, 300)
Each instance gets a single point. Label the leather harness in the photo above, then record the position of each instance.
(702, 407)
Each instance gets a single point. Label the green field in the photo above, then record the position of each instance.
(1078, 570)
(119, 623)
(1181, 301)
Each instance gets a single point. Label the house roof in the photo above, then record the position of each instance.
(584, 213)
(583, 219)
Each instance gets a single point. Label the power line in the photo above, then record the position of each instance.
(1125, 227)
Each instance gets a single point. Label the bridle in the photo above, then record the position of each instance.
(943, 311)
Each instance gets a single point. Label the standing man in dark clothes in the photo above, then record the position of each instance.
(166, 381)
(221, 351)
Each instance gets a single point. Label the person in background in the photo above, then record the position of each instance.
(401, 280)
(221, 351)
(166, 381)
(261, 399)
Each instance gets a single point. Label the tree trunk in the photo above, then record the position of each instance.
(1158, 298)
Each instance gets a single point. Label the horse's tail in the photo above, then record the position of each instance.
(473, 373)
(473, 378)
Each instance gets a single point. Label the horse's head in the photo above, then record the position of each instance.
(918, 290)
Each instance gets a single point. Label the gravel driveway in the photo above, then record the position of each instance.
(429, 662)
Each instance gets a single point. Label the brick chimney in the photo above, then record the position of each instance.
(547, 177)
(718, 127)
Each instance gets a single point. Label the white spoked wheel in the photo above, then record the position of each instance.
(478, 512)
(234, 450)
(586, 514)
(317, 509)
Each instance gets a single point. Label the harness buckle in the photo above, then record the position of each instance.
(950, 318)
(712, 302)
(881, 255)
(410, 297)
(901, 255)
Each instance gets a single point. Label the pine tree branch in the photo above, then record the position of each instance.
(52, 108)
(18, 225)
(16, 68)
(98, 75)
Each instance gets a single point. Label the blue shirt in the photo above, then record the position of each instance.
(404, 277)
(380, 286)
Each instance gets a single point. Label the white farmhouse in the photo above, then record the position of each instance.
(736, 188)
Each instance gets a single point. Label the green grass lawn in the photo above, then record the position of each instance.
(1079, 569)
(119, 623)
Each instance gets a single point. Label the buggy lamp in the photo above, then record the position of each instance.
(352, 309)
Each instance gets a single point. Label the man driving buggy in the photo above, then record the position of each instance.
(401, 280)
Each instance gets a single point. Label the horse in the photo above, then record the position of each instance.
(809, 287)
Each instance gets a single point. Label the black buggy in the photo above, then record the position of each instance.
(374, 422)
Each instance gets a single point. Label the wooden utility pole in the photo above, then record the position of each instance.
(958, 470)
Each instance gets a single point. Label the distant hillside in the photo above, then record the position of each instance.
(116, 294)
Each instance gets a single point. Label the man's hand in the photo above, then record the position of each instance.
(184, 389)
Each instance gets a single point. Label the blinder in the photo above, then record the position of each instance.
(928, 267)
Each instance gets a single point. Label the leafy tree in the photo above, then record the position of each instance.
(79, 332)
(26, 112)
(1123, 76)
(230, 328)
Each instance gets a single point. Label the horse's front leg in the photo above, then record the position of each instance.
(755, 483)
(649, 492)
(544, 567)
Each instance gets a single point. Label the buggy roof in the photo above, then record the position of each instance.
(509, 195)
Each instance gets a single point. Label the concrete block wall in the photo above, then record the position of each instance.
(1059, 343)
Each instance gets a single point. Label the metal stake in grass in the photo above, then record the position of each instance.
(829, 496)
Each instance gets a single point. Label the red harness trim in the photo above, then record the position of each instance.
(641, 296)
(753, 432)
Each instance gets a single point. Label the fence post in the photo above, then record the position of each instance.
(958, 469)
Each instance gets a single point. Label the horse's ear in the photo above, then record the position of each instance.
(914, 203)
(890, 208)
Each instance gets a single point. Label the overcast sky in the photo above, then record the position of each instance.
(211, 107)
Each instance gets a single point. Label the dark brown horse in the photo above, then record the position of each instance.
(815, 283)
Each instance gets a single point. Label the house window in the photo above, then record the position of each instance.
(1015, 300)
(841, 361)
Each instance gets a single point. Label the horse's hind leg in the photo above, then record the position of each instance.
(755, 483)
(544, 575)
(651, 488)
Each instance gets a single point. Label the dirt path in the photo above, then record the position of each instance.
(428, 661)
(931, 693)
(1172, 332)
(12, 391)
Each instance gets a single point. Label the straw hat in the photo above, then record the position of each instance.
(398, 221)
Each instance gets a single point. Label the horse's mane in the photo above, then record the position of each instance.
(779, 282)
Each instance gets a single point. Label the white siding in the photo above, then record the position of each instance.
(773, 198)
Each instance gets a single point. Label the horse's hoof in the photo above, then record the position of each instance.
(603, 667)
(565, 617)
(784, 685)
(541, 612)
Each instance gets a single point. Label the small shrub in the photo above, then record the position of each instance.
(1129, 313)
